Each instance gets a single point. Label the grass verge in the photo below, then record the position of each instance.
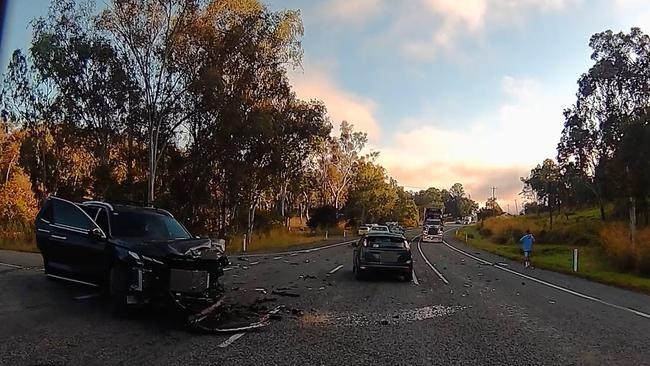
(19, 244)
(593, 265)
(279, 239)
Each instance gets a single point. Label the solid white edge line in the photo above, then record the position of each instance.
(431, 265)
(89, 296)
(335, 269)
(230, 340)
(295, 251)
(415, 279)
(557, 287)
(11, 265)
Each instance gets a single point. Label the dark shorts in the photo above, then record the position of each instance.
(527, 253)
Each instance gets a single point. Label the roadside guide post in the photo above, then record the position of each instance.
(243, 244)
(575, 260)
(326, 234)
(344, 233)
(465, 238)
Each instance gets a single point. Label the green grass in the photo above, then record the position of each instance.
(593, 265)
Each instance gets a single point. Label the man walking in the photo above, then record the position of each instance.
(527, 246)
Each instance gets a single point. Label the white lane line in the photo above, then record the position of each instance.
(89, 296)
(431, 265)
(295, 251)
(557, 287)
(230, 340)
(11, 265)
(335, 269)
(415, 279)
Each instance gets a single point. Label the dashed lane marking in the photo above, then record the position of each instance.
(230, 340)
(335, 269)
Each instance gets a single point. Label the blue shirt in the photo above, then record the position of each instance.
(527, 242)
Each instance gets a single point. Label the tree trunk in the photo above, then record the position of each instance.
(550, 212)
(152, 172)
(633, 222)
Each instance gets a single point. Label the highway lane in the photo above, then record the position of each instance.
(483, 316)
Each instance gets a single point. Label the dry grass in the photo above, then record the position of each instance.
(24, 242)
(579, 229)
(622, 252)
(280, 238)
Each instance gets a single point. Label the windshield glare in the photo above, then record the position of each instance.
(147, 226)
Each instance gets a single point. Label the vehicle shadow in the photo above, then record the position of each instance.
(376, 276)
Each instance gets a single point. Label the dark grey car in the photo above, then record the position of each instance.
(383, 251)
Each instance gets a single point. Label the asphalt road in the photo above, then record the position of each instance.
(474, 308)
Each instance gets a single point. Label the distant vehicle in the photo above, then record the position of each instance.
(382, 252)
(433, 216)
(396, 229)
(432, 234)
(379, 228)
(363, 229)
(139, 254)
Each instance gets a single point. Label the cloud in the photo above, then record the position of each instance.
(358, 11)
(316, 83)
(432, 27)
(497, 149)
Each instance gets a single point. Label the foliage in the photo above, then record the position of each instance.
(323, 217)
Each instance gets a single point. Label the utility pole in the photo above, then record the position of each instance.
(516, 208)
(494, 189)
(508, 205)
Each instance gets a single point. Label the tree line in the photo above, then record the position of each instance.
(184, 104)
(603, 157)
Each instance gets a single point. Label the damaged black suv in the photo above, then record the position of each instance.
(139, 254)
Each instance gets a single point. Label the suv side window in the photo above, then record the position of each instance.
(102, 220)
(66, 213)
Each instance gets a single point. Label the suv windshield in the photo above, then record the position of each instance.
(385, 242)
(147, 226)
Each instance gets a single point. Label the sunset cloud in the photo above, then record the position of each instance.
(316, 83)
(348, 10)
(498, 148)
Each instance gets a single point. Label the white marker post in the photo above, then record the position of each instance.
(326, 234)
(243, 245)
(575, 260)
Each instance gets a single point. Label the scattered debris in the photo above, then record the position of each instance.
(262, 290)
(297, 312)
(321, 288)
(309, 277)
(276, 258)
(285, 293)
(480, 274)
(265, 299)
(245, 267)
(551, 301)
(243, 259)
(306, 260)
(253, 263)
(467, 285)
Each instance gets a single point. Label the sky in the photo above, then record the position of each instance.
(468, 91)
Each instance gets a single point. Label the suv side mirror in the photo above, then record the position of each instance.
(97, 233)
